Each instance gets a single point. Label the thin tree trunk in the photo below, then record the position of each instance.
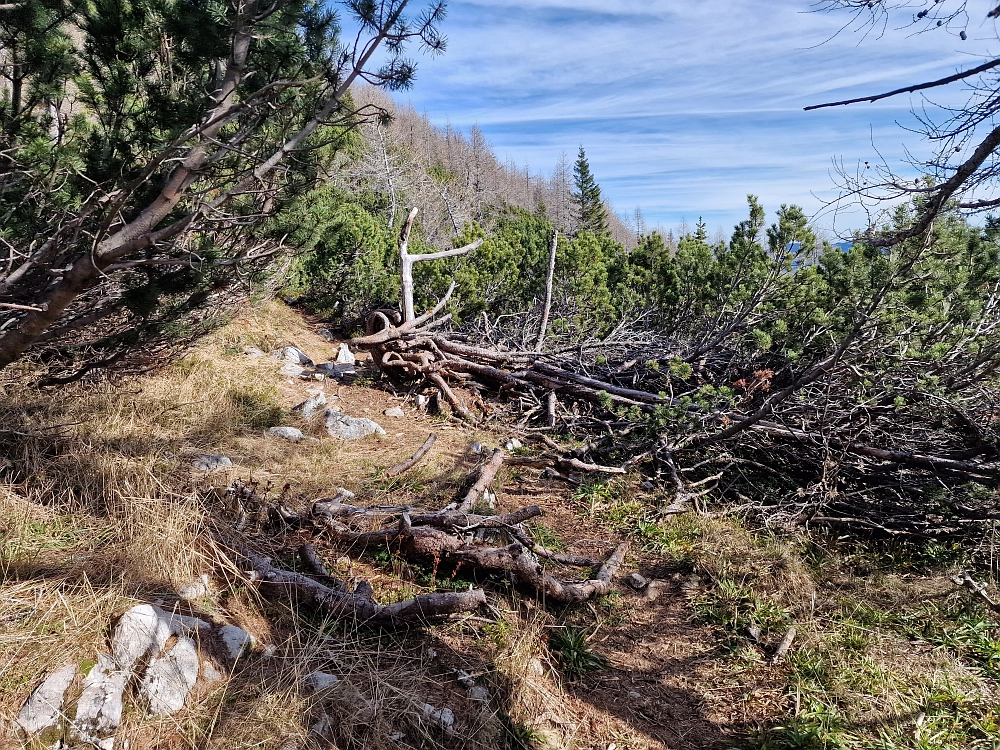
(548, 291)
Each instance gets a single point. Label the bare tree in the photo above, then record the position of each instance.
(964, 167)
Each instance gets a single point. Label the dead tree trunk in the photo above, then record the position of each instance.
(406, 261)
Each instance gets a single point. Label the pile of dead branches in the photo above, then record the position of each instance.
(785, 442)
(461, 536)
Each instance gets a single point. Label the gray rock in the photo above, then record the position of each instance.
(210, 461)
(334, 370)
(443, 717)
(477, 448)
(236, 640)
(317, 681)
(653, 590)
(293, 370)
(193, 589)
(394, 411)
(326, 333)
(465, 678)
(479, 693)
(323, 727)
(345, 356)
(253, 352)
(420, 400)
(288, 433)
(312, 404)
(637, 582)
(170, 678)
(144, 630)
(343, 427)
(513, 444)
(99, 710)
(44, 707)
(293, 355)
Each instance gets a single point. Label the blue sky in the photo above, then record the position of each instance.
(685, 107)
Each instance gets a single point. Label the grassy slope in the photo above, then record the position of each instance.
(99, 510)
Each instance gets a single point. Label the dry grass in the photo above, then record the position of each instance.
(100, 510)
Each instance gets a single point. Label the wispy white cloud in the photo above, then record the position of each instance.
(683, 107)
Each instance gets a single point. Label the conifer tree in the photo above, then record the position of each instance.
(587, 195)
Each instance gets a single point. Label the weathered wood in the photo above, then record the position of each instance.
(487, 473)
(404, 466)
(786, 643)
(359, 604)
(547, 306)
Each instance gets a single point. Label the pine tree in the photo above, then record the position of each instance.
(587, 195)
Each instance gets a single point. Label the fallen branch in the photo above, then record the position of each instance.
(404, 466)
(487, 474)
(359, 604)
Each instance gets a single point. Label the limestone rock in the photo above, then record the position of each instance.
(343, 427)
(144, 630)
(293, 370)
(294, 355)
(479, 693)
(317, 681)
(312, 404)
(637, 582)
(193, 589)
(99, 710)
(236, 640)
(253, 352)
(513, 444)
(394, 411)
(44, 707)
(288, 433)
(170, 678)
(334, 370)
(443, 717)
(345, 356)
(210, 461)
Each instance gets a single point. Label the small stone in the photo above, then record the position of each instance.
(432, 654)
(345, 356)
(394, 411)
(479, 693)
(396, 737)
(477, 448)
(323, 727)
(647, 485)
(210, 461)
(317, 681)
(326, 333)
(253, 352)
(536, 668)
(144, 630)
(293, 370)
(236, 640)
(637, 582)
(170, 678)
(513, 444)
(44, 707)
(343, 427)
(653, 590)
(465, 678)
(420, 400)
(443, 717)
(755, 633)
(293, 354)
(311, 405)
(292, 434)
(270, 650)
(343, 562)
(193, 589)
(99, 709)
(210, 673)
